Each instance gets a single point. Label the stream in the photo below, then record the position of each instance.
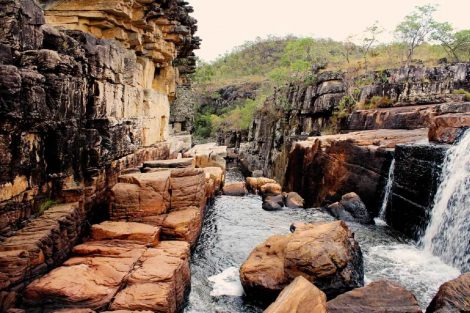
(235, 225)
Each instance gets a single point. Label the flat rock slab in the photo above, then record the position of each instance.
(142, 233)
(208, 155)
(116, 274)
(300, 296)
(379, 296)
(174, 163)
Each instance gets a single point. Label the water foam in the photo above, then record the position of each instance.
(227, 283)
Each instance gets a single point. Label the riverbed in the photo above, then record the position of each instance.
(235, 225)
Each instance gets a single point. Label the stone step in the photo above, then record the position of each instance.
(174, 163)
(43, 243)
(118, 271)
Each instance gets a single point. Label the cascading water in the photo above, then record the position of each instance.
(448, 232)
(388, 190)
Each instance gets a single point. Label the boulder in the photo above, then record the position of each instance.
(235, 189)
(254, 183)
(453, 296)
(324, 253)
(273, 203)
(217, 175)
(138, 232)
(183, 225)
(379, 296)
(188, 188)
(351, 208)
(263, 275)
(140, 194)
(300, 296)
(294, 200)
(270, 189)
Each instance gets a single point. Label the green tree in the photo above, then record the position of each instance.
(456, 44)
(416, 28)
(370, 38)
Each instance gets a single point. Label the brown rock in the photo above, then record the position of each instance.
(300, 296)
(379, 296)
(235, 189)
(183, 225)
(262, 274)
(208, 155)
(138, 232)
(448, 127)
(294, 200)
(453, 296)
(254, 183)
(324, 253)
(271, 189)
(188, 188)
(160, 283)
(173, 163)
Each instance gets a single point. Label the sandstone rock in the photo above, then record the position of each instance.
(270, 189)
(255, 183)
(453, 296)
(271, 205)
(160, 283)
(263, 275)
(217, 175)
(351, 208)
(324, 253)
(208, 155)
(140, 194)
(300, 296)
(448, 128)
(183, 225)
(138, 232)
(376, 297)
(294, 200)
(173, 163)
(235, 189)
(188, 188)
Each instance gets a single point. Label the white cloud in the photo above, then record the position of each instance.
(224, 24)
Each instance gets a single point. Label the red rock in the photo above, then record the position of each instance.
(254, 183)
(188, 188)
(379, 296)
(137, 232)
(300, 296)
(453, 296)
(448, 127)
(271, 189)
(235, 189)
(324, 253)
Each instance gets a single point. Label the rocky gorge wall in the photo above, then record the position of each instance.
(85, 92)
(285, 143)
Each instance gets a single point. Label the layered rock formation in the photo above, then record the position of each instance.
(85, 93)
(74, 103)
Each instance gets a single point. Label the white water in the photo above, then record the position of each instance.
(380, 220)
(227, 283)
(448, 232)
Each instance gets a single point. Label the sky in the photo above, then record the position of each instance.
(225, 24)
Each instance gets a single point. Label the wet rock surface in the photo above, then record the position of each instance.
(376, 297)
(453, 296)
(235, 189)
(351, 208)
(324, 253)
(300, 296)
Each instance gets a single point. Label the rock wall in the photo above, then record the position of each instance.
(81, 102)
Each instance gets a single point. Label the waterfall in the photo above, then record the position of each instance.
(388, 191)
(448, 232)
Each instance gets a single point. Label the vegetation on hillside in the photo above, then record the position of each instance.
(275, 61)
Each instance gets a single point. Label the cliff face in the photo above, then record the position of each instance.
(77, 107)
(284, 139)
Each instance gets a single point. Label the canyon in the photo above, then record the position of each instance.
(107, 205)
